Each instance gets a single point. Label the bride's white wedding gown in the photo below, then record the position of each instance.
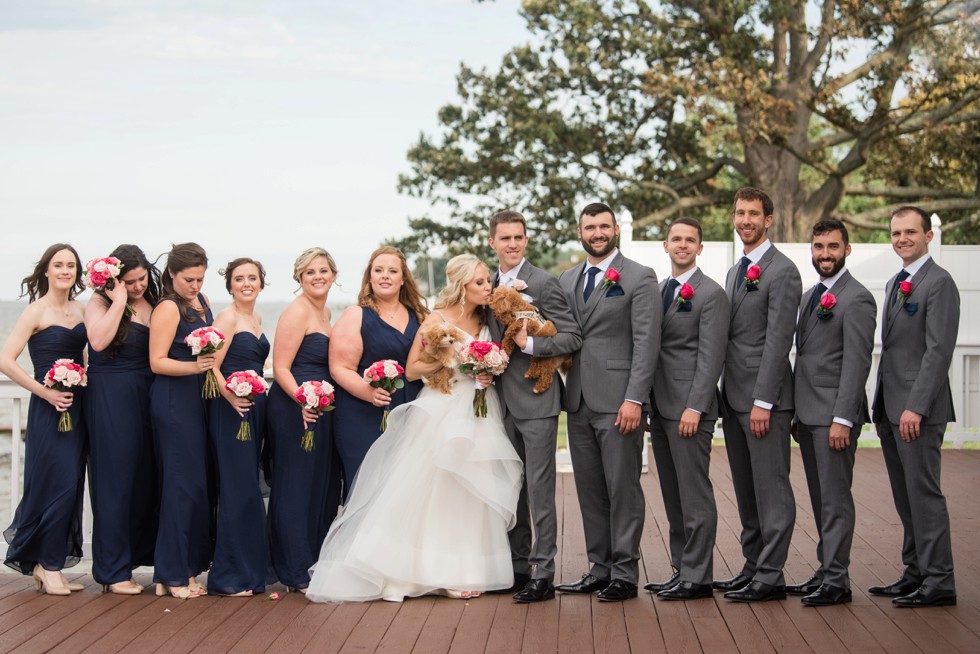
(430, 507)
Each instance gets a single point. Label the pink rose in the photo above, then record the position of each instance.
(687, 292)
(612, 275)
(519, 285)
(828, 301)
(753, 273)
(906, 287)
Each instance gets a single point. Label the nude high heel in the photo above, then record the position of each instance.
(40, 586)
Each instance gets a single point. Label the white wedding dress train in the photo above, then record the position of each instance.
(429, 509)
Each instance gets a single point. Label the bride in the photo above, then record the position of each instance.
(430, 508)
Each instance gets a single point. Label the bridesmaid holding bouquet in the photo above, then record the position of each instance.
(46, 533)
(305, 484)
(241, 548)
(180, 425)
(382, 326)
(122, 477)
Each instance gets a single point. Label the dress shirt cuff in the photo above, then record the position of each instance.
(694, 410)
(529, 348)
(763, 405)
(846, 423)
(634, 401)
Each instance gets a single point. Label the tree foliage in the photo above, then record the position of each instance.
(835, 108)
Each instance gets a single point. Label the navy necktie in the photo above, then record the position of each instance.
(590, 282)
(743, 267)
(672, 284)
(902, 276)
(815, 298)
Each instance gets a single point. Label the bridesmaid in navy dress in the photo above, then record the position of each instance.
(180, 425)
(241, 552)
(122, 471)
(305, 485)
(382, 326)
(46, 533)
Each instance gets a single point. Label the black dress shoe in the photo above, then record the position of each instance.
(587, 584)
(808, 587)
(827, 595)
(926, 596)
(738, 582)
(536, 590)
(520, 581)
(896, 589)
(757, 591)
(617, 591)
(685, 590)
(664, 585)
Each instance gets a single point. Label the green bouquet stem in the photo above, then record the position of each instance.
(210, 389)
(65, 423)
(480, 403)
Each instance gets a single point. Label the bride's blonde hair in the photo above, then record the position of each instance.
(459, 272)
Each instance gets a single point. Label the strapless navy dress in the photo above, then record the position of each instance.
(122, 470)
(241, 551)
(47, 526)
(180, 436)
(358, 423)
(305, 485)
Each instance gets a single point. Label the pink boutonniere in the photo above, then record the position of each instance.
(904, 291)
(685, 294)
(827, 302)
(611, 278)
(519, 285)
(752, 276)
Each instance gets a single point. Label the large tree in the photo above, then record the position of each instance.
(834, 108)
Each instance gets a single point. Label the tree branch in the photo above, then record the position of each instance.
(904, 191)
(867, 218)
(642, 183)
(709, 172)
(681, 204)
(969, 220)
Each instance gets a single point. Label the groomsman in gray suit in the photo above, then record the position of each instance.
(834, 339)
(685, 400)
(617, 307)
(757, 399)
(531, 419)
(912, 405)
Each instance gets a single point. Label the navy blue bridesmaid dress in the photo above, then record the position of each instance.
(180, 436)
(47, 526)
(358, 422)
(305, 485)
(241, 552)
(122, 471)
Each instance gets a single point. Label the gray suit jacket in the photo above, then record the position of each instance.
(620, 337)
(917, 342)
(517, 392)
(760, 335)
(692, 351)
(833, 356)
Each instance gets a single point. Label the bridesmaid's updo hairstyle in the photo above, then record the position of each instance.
(306, 257)
(35, 285)
(131, 258)
(409, 294)
(181, 257)
(228, 271)
(459, 272)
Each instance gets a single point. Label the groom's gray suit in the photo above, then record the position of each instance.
(917, 341)
(532, 424)
(692, 353)
(757, 367)
(833, 359)
(620, 345)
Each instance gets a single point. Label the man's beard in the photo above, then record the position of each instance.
(599, 254)
(838, 266)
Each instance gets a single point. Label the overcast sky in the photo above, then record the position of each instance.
(253, 127)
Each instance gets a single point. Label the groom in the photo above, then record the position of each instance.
(531, 419)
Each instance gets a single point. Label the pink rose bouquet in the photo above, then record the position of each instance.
(479, 357)
(316, 396)
(206, 340)
(247, 384)
(103, 274)
(386, 374)
(64, 375)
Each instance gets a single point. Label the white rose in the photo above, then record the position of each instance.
(327, 388)
(242, 389)
(493, 359)
(100, 266)
(390, 369)
(72, 377)
(60, 373)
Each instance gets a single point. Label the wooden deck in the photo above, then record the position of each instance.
(92, 622)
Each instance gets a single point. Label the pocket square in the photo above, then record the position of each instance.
(826, 315)
(911, 307)
(684, 307)
(615, 291)
(751, 287)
